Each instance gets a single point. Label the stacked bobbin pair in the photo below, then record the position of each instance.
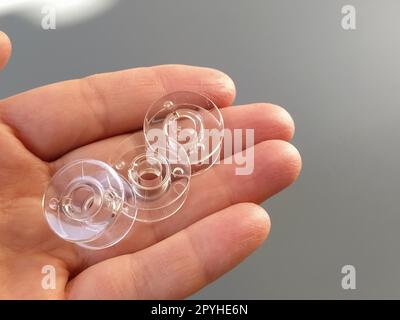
(95, 204)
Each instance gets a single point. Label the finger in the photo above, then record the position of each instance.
(60, 117)
(276, 166)
(5, 49)
(180, 265)
(265, 121)
(269, 122)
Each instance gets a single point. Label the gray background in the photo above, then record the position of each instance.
(341, 87)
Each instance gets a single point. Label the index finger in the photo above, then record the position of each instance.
(57, 118)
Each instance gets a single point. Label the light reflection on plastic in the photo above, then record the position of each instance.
(68, 11)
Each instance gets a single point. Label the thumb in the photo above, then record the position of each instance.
(5, 49)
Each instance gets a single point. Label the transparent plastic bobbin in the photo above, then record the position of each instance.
(89, 204)
(188, 119)
(159, 177)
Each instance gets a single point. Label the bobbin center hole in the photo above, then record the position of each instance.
(82, 201)
(147, 172)
(184, 126)
(82, 198)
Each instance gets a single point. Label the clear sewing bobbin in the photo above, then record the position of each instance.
(190, 120)
(159, 177)
(89, 204)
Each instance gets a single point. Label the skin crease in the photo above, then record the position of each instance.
(219, 225)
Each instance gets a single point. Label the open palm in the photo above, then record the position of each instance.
(218, 226)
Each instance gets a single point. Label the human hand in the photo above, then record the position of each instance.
(219, 225)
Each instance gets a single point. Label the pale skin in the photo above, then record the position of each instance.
(220, 224)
